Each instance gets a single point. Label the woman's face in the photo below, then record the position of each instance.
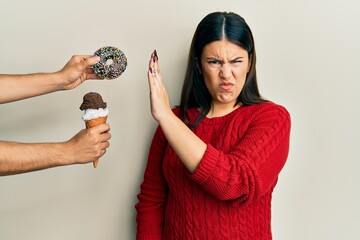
(224, 66)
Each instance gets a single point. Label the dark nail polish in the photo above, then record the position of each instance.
(150, 70)
(155, 54)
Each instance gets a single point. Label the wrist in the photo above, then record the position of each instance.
(59, 80)
(169, 120)
(63, 154)
(166, 117)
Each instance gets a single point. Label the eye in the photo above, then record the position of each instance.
(236, 62)
(214, 62)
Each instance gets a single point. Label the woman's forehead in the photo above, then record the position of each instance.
(223, 49)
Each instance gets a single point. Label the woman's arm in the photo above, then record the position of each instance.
(252, 167)
(153, 192)
(186, 144)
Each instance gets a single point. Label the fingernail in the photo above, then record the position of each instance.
(150, 70)
(155, 54)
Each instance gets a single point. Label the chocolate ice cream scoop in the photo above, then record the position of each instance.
(92, 100)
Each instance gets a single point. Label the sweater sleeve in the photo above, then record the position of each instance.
(153, 193)
(250, 169)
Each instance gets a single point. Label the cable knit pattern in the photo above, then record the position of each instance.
(228, 197)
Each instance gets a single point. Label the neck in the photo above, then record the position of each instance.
(219, 110)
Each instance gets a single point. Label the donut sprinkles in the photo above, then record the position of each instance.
(117, 66)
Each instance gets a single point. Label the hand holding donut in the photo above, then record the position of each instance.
(159, 99)
(77, 70)
(106, 63)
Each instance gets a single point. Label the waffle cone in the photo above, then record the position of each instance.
(92, 123)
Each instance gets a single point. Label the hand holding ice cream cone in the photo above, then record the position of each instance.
(95, 112)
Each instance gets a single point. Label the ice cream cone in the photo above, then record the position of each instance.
(95, 112)
(92, 123)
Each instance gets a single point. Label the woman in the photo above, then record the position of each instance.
(214, 160)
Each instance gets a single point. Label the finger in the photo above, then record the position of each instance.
(83, 57)
(91, 61)
(149, 73)
(152, 69)
(102, 153)
(105, 145)
(80, 58)
(105, 127)
(89, 70)
(155, 64)
(83, 62)
(155, 55)
(151, 79)
(93, 76)
(102, 128)
(104, 137)
(153, 72)
(156, 61)
(151, 61)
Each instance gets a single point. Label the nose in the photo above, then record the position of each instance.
(225, 71)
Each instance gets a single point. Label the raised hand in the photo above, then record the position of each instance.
(159, 99)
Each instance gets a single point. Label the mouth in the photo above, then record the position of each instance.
(226, 86)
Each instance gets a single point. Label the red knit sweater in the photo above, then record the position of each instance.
(229, 194)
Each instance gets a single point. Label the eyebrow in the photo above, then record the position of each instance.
(215, 58)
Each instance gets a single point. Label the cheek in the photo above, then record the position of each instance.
(210, 79)
(209, 85)
(240, 76)
(240, 79)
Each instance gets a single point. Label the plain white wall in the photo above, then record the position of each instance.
(308, 61)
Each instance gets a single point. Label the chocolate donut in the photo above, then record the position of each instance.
(113, 62)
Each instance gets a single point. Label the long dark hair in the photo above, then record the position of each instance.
(216, 26)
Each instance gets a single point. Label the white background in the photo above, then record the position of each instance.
(308, 60)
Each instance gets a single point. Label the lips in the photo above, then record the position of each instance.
(226, 86)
